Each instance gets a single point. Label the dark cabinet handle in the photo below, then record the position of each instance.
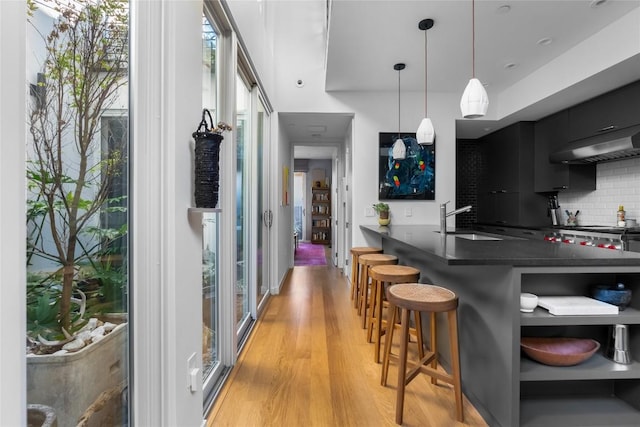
(606, 128)
(530, 233)
(562, 187)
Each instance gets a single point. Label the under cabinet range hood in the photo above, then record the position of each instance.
(614, 145)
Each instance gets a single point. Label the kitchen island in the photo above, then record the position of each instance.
(488, 276)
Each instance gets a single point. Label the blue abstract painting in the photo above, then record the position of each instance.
(413, 177)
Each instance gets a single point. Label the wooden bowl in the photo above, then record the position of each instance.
(559, 351)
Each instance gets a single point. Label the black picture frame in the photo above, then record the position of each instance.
(411, 178)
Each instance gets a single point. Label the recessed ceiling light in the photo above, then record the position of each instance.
(598, 3)
(545, 41)
(316, 128)
(505, 8)
(510, 65)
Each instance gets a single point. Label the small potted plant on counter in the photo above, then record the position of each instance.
(382, 209)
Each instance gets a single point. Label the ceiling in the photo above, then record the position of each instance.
(367, 37)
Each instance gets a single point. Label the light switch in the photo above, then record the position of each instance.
(368, 212)
(408, 212)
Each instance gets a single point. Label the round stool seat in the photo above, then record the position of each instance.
(377, 259)
(362, 250)
(421, 297)
(394, 273)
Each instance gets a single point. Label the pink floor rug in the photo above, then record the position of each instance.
(309, 254)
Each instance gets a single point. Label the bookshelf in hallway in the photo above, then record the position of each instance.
(321, 215)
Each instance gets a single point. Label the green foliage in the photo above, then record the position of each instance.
(380, 207)
(69, 175)
(43, 305)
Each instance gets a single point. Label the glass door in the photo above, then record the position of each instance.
(243, 207)
(211, 364)
(263, 221)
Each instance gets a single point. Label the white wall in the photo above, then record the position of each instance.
(282, 232)
(298, 29)
(12, 213)
(166, 283)
(616, 184)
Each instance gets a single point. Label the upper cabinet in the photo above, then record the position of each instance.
(505, 187)
(551, 133)
(614, 110)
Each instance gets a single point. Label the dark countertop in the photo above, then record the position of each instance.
(508, 251)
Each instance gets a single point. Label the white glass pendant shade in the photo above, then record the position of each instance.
(426, 135)
(399, 150)
(474, 102)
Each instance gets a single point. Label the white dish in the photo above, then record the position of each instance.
(528, 302)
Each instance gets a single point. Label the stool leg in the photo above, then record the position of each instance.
(356, 302)
(364, 295)
(354, 276)
(363, 289)
(455, 362)
(402, 365)
(378, 320)
(418, 319)
(391, 321)
(373, 302)
(433, 346)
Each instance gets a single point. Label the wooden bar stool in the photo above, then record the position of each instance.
(366, 262)
(419, 297)
(355, 269)
(381, 276)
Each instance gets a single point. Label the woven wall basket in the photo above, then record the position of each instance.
(206, 171)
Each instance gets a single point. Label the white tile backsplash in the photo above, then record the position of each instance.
(617, 183)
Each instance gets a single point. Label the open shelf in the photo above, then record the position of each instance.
(577, 412)
(597, 367)
(541, 317)
(204, 210)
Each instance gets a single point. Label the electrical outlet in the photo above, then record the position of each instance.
(407, 212)
(369, 212)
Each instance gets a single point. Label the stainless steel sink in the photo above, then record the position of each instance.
(474, 236)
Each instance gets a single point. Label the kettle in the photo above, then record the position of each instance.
(618, 345)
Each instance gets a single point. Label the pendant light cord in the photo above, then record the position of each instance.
(473, 38)
(399, 104)
(426, 68)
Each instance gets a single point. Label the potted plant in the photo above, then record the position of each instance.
(382, 209)
(76, 169)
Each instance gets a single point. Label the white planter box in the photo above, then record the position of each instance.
(70, 383)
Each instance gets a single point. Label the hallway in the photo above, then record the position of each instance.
(308, 363)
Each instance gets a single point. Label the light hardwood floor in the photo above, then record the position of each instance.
(307, 363)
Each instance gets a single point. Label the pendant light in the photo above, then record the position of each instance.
(474, 102)
(399, 149)
(425, 134)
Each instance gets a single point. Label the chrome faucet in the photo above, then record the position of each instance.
(444, 215)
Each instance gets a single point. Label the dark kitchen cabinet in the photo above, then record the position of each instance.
(505, 185)
(551, 133)
(614, 110)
